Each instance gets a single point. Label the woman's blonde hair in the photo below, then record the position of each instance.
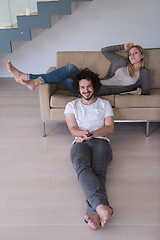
(130, 66)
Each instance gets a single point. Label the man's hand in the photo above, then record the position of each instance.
(79, 139)
(84, 137)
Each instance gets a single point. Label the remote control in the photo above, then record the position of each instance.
(89, 134)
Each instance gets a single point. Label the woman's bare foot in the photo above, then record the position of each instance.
(92, 220)
(15, 72)
(31, 84)
(104, 212)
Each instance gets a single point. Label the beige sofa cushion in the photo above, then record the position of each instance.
(150, 114)
(110, 98)
(140, 101)
(61, 97)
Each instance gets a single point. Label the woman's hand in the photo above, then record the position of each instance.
(137, 92)
(127, 46)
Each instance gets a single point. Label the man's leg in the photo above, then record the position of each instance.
(92, 220)
(101, 158)
(81, 159)
(81, 156)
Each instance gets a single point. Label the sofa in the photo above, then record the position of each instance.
(146, 108)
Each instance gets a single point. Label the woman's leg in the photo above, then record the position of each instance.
(61, 75)
(56, 76)
(68, 84)
(17, 74)
(112, 90)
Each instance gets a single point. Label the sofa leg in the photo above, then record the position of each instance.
(43, 129)
(147, 128)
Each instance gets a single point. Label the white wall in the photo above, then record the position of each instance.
(91, 26)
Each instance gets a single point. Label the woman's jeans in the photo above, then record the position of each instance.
(61, 75)
(90, 160)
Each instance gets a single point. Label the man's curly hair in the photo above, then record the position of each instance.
(87, 74)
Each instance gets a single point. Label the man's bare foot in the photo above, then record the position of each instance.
(15, 72)
(104, 212)
(31, 84)
(92, 220)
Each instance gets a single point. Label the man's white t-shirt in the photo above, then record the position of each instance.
(90, 117)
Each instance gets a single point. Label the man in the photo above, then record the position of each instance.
(90, 120)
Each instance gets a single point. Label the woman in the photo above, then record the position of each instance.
(122, 76)
(125, 75)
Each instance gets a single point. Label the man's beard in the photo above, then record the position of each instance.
(87, 98)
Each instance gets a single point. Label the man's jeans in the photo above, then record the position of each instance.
(90, 160)
(61, 75)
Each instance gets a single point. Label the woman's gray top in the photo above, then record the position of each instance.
(117, 62)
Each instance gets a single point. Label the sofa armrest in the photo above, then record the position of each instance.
(45, 92)
(51, 69)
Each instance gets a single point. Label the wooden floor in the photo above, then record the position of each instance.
(40, 198)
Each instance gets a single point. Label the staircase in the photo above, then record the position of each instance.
(41, 20)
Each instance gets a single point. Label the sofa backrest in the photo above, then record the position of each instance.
(96, 61)
(152, 62)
